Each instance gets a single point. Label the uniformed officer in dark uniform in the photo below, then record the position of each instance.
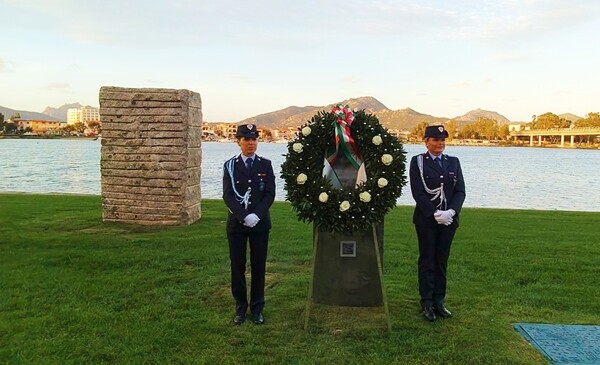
(438, 187)
(248, 192)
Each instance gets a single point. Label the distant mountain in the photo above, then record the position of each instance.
(273, 118)
(368, 103)
(295, 116)
(570, 117)
(406, 119)
(393, 119)
(25, 114)
(475, 115)
(60, 113)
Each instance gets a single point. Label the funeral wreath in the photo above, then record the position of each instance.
(376, 155)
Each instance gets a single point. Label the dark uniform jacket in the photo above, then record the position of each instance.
(450, 174)
(261, 181)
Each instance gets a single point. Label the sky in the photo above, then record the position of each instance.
(443, 58)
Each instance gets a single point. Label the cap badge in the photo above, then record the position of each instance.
(441, 129)
(249, 126)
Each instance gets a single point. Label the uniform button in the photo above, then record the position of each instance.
(249, 181)
(249, 203)
(237, 182)
(441, 176)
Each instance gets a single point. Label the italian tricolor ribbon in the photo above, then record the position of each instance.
(343, 138)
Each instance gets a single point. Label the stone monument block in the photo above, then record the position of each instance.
(151, 155)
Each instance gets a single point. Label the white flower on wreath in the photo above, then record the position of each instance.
(297, 147)
(344, 206)
(306, 131)
(387, 159)
(301, 179)
(382, 182)
(323, 197)
(365, 196)
(377, 140)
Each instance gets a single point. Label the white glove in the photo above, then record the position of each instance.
(441, 219)
(438, 216)
(251, 220)
(444, 216)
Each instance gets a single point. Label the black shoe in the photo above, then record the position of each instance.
(428, 314)
(443, 311)
(258, 318)
(239, 319)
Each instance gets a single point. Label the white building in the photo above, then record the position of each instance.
(84, 115)
(89, 114)
(73, 115)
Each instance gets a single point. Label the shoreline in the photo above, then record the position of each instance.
(45, 137)
(466, 144)
(448, 143)
(27, 193)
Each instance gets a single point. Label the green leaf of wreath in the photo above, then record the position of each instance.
(305, 196)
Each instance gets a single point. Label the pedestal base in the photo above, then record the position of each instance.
(346, 268)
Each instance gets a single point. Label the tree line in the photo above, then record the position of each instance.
(490, 129)
(10, 127)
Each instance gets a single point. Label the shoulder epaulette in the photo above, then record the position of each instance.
(262, 158)
(228, 160)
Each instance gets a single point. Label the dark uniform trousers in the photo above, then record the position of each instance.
(261, 182)
(258, 242)
(435, 239)
(434, 251)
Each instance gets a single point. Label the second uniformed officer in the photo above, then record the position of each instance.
(438, 187)
(248, 192)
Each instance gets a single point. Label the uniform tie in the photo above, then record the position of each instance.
(249, 164)
(438, 161)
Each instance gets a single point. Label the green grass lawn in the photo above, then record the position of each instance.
(74, 290)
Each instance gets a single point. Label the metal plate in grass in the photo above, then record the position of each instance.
(564, 344)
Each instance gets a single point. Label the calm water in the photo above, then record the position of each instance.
(496, 177)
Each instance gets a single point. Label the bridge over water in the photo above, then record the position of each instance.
(557, 132)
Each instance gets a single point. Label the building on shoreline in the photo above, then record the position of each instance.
(218, 131)
(85, 115)
(40, 126)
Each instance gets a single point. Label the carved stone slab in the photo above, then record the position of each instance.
(151, 155)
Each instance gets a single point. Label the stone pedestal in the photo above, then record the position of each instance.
(151, 155)
(348, 268)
